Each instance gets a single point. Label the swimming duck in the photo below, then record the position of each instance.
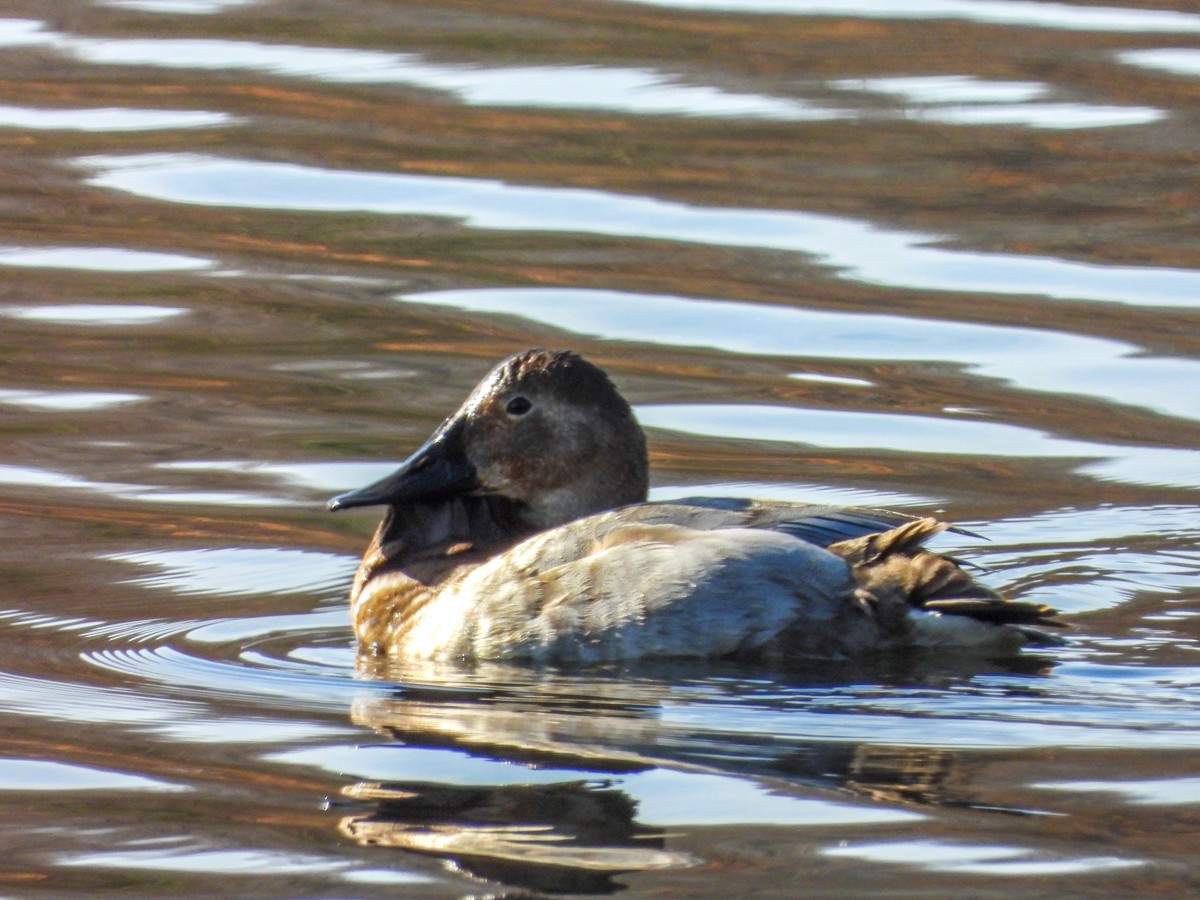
(521, 530)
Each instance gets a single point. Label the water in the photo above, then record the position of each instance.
(937, 256)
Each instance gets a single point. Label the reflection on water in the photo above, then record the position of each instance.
(1169, 792)
(241, 570)
(66, 400)
(100, 259)
(1027, 358)
(925, 254)
(853, 430)
(28, 476)
(23, 33)
(88, 314)
(993, 12)
(580, 835)
(859, 250)
(109, 119)
(40, 775)
(180, 7)
(1041, 115)
(981, 860)
(948, 89)
(1177, 61)
(965, 100)
(639, 91)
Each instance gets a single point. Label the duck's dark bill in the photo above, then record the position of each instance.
(438, 469)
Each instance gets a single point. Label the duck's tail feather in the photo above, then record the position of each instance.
(906, 539)
(893, 567)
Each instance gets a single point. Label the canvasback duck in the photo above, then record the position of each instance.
(521, 530)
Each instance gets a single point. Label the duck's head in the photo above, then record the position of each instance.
(546, 430)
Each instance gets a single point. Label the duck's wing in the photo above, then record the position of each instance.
(893, 570)
(815, 523)
(830, 524)
(613, 587)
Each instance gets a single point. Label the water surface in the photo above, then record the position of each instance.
(936, 256)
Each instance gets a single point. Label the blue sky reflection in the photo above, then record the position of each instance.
(860, 250)
(1028, 358)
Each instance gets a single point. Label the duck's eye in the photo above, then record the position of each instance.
(518, 406)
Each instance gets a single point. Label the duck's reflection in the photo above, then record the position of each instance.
(572, 836)
(604, 732)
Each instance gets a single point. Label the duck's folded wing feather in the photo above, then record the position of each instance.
(818, 524)
(663, 590)
(828, 526)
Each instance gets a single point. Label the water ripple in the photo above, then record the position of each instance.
(1150, 792)
(101, 259)
(584, 87)
(235, 571)
(67, 401)
(965, 100)
(860, 251)
(178, 7)
(944, 856)
(89, 314)
(957, 89)
(861, 430)
(1059, 116)
(44, 775)
(109, 119)
(664, 796)
(30, 476)
(1020, 13)
(1028, 358)
(1176, 60)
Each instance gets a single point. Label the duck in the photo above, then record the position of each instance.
(521, 530)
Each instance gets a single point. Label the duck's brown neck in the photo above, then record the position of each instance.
(428, 534)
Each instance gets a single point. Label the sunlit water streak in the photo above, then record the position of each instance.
(1060, 116)
(965, 100)
(585, 87)
(239, 861)
(67, 401)
(862, 430)
(32, 476)
(1019, 13)
(109, 119)
(948, 89)
(178, 7)
(24, 33)
(859, 250)
(89, 314)
(950, 435)
(1027, 358)
(1175, 60)
(1162, 792)
(320, 478)
(625, 90)
(943, 856)
(162, 718)
(42, 775)
(101, 259)
(241, 570)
